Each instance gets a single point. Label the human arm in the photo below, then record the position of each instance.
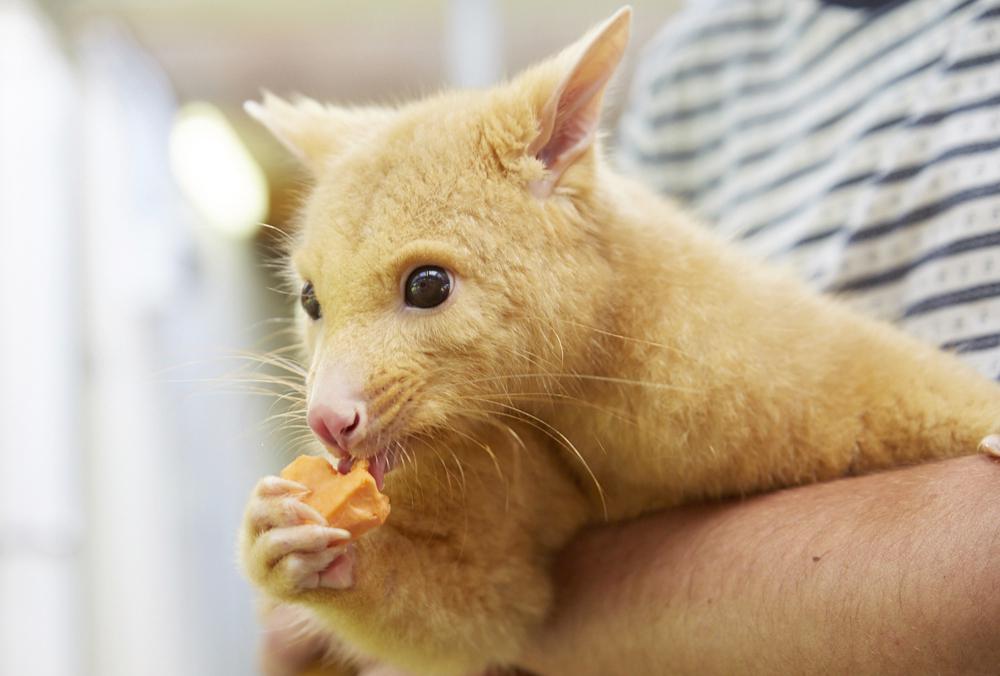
(888, 573)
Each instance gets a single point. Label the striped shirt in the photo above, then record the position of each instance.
(859, 146)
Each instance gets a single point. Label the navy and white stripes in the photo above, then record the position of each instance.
(858, 146)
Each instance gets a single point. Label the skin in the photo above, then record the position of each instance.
(601, 356)
(887, 574)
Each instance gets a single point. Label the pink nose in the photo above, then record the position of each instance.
(340, 424)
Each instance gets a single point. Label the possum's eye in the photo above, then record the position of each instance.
(309, 302)
(428, 286)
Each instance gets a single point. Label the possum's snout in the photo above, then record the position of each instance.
(341, 427)
(337, 412)
(339, 418)
(339, 424)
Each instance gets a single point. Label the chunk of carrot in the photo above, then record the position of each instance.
(350, 501)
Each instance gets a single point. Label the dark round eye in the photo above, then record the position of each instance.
(309, 302)
(427, 286)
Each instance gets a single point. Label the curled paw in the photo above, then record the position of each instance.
(287, 548)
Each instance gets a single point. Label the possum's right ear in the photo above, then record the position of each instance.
(566, 93)
(312, 131)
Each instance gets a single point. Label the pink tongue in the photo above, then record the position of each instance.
(376, 467)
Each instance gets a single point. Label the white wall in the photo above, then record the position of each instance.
(124, 464)
(41, 507)
(171, 456)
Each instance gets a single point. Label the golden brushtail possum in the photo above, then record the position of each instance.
(532, 343)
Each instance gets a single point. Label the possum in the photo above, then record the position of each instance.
(523, 343)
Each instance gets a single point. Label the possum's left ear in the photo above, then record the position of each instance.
(569, 117)
(311, 131)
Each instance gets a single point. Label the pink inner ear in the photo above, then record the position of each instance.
(571, 130)
(570, 118)
(577, 117)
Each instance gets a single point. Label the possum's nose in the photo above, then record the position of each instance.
(339, 424)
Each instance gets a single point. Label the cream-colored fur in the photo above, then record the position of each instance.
(602, 355)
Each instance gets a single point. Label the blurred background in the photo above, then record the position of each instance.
(134, 273)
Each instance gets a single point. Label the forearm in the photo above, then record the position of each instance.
(895, 572)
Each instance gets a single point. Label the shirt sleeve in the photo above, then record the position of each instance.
(857, 146)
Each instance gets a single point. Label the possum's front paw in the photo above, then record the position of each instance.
(287, 548)
(990, 446)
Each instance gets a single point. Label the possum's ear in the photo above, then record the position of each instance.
(311, 131)
(570, 95)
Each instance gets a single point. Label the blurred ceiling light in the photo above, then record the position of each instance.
(216, 172)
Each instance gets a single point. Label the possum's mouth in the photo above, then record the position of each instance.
(379, 465)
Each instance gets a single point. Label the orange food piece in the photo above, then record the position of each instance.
(350, 501)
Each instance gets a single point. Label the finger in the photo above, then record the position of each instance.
(990, 445)
(340, 573)
(275, 486)
(265, 514)
(280, 542)
(302, 570)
